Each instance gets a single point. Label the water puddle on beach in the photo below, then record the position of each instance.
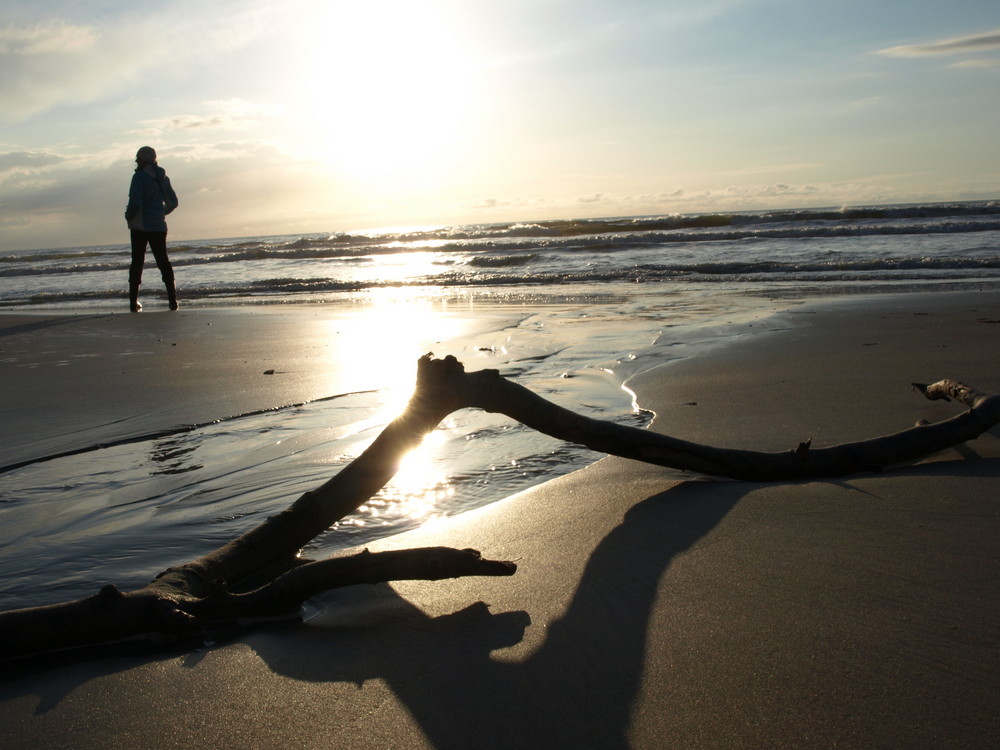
(123, 513)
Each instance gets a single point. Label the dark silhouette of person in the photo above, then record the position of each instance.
(150, 199)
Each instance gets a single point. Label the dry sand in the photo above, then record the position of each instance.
(651, 609)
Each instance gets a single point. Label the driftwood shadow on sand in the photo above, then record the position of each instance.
(576, 689)
(579, 687)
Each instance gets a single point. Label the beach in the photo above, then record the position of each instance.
(651, 608)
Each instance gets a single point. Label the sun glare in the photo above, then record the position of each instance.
(393, 331)
(418, 488)
(388, 86)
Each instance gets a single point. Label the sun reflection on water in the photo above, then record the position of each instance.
(418, 492)
(377, 346)
(400, 267)
(386, 338)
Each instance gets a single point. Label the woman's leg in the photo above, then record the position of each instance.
(158, 244)
(135, 268)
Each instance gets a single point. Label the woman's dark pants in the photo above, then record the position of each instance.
(157, 242)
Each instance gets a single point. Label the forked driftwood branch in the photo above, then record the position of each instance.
(260, 574)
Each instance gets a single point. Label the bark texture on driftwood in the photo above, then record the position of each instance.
(259, 574)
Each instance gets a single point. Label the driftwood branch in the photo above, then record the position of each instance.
(111, 615)
(260, 574)
(491, 392)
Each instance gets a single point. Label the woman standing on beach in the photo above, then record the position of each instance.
(150, 199)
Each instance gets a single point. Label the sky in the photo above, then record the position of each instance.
(280, 117)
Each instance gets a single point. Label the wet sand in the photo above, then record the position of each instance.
(651, 608)
(79, 380)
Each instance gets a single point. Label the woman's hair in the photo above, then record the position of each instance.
(145, 155)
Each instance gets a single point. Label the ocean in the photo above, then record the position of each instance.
(592, 302)
(794, 250)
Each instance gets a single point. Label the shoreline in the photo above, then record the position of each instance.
(210, 365)
(235, 349)
(92, 379)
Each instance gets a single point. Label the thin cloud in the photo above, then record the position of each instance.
(53, 37)
(25, 162)
(977, 64)
(779, 189)
(50, 62)
(54, 61)
(488, 203)
(954, 46)
(772, 168)
(230, 114)
(860, 104)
